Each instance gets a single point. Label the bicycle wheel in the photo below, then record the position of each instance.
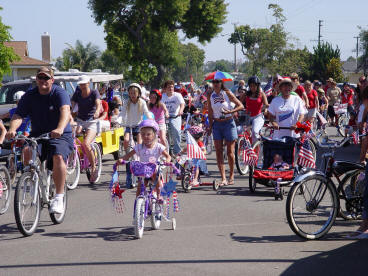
(239, 153)
(73, 170)
(311, 207)
(156, 215)
(12, 167)
(27, 204)
(258, 149)
(98, 162)
(57, 218)
(351, 194)
(185, 181)
(342, 122)
(139, 217)
(5, 189)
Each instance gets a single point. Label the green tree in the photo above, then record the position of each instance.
(293, 60)
(363, 48)
(220, 65)
(322, 54)
(83, 58)
(7, 55)
(191, 63)
(262, 46)
(109, 63)
(144, 34)
(334, 70)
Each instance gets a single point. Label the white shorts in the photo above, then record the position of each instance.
(162, 126)
(89, 125)
(312, 113)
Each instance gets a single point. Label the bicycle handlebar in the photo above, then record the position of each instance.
(167, 164)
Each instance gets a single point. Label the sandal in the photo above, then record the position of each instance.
(194, 184)
(231, 182)
(224, 183)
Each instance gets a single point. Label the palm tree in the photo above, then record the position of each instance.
(83, 58)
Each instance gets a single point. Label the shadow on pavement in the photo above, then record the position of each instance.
(107, 234)
(350, 259)
(10, 231)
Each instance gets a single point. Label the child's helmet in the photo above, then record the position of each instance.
(196, 131)
(136, 85)
(149, 123)
(158, 93)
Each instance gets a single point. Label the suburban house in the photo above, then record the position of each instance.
(27, 66)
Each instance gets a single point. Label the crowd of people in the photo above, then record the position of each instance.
(149, 115)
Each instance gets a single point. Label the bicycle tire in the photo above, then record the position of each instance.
(72, 182)
(139, 217)
(258, 148)
(185, 181)
(308, 211)
(24, 180)
(98, 160)
(342, 121)
(57, 218)
(5, 189)
(156, 215)
(351, 195)
(239, 151)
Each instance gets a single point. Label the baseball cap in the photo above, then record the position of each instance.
(46, 71)
(83, 79)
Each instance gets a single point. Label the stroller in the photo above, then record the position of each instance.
(262, 174)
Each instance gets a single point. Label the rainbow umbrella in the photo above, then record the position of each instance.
(219, 75)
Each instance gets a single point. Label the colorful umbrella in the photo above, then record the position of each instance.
(219, 75)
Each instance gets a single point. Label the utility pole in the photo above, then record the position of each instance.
(319, 31)
(235, 67)
(357, 51)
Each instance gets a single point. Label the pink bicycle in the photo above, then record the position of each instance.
(78, 162)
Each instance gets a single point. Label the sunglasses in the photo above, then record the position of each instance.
(216, 81)
(44, 78)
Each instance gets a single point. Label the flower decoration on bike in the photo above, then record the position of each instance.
(116, 192)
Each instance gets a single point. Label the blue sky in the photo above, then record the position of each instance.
(69, 20)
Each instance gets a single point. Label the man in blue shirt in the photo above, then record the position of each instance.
(48, 107)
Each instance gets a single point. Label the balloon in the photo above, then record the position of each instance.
(150, 116)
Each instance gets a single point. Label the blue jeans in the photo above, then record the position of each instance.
(175, 133)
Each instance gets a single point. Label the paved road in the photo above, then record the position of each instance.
(231, 232)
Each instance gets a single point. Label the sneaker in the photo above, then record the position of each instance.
(57, 205)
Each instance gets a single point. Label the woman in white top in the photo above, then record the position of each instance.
(223, 127)
(286, 110)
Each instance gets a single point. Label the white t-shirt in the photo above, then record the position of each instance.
(133, 117)
(151, 155)
(173, 103)
(220, 102)
(287, 113)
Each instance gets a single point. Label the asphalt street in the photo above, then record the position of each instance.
(229, 232)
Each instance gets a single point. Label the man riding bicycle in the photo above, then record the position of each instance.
(286, 110)
(48, 107)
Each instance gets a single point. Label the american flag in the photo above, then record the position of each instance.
(355, 136)
(305, 158)
(193, 150)
(218, 98)
(268, 88)
(250, 158)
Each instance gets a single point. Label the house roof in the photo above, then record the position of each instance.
(21, 49)
(349, 66)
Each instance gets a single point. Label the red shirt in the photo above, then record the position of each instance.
(312, 97)
(347, 97)
(254, 106)
(105, 108)
(300, 90)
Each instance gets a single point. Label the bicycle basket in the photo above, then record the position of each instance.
(243, 118)
(142, 169)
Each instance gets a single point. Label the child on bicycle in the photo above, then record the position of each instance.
(149, 151)
(200, 165)
(159, 110)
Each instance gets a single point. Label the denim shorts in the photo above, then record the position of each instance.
(135, 130)
(224, 130)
